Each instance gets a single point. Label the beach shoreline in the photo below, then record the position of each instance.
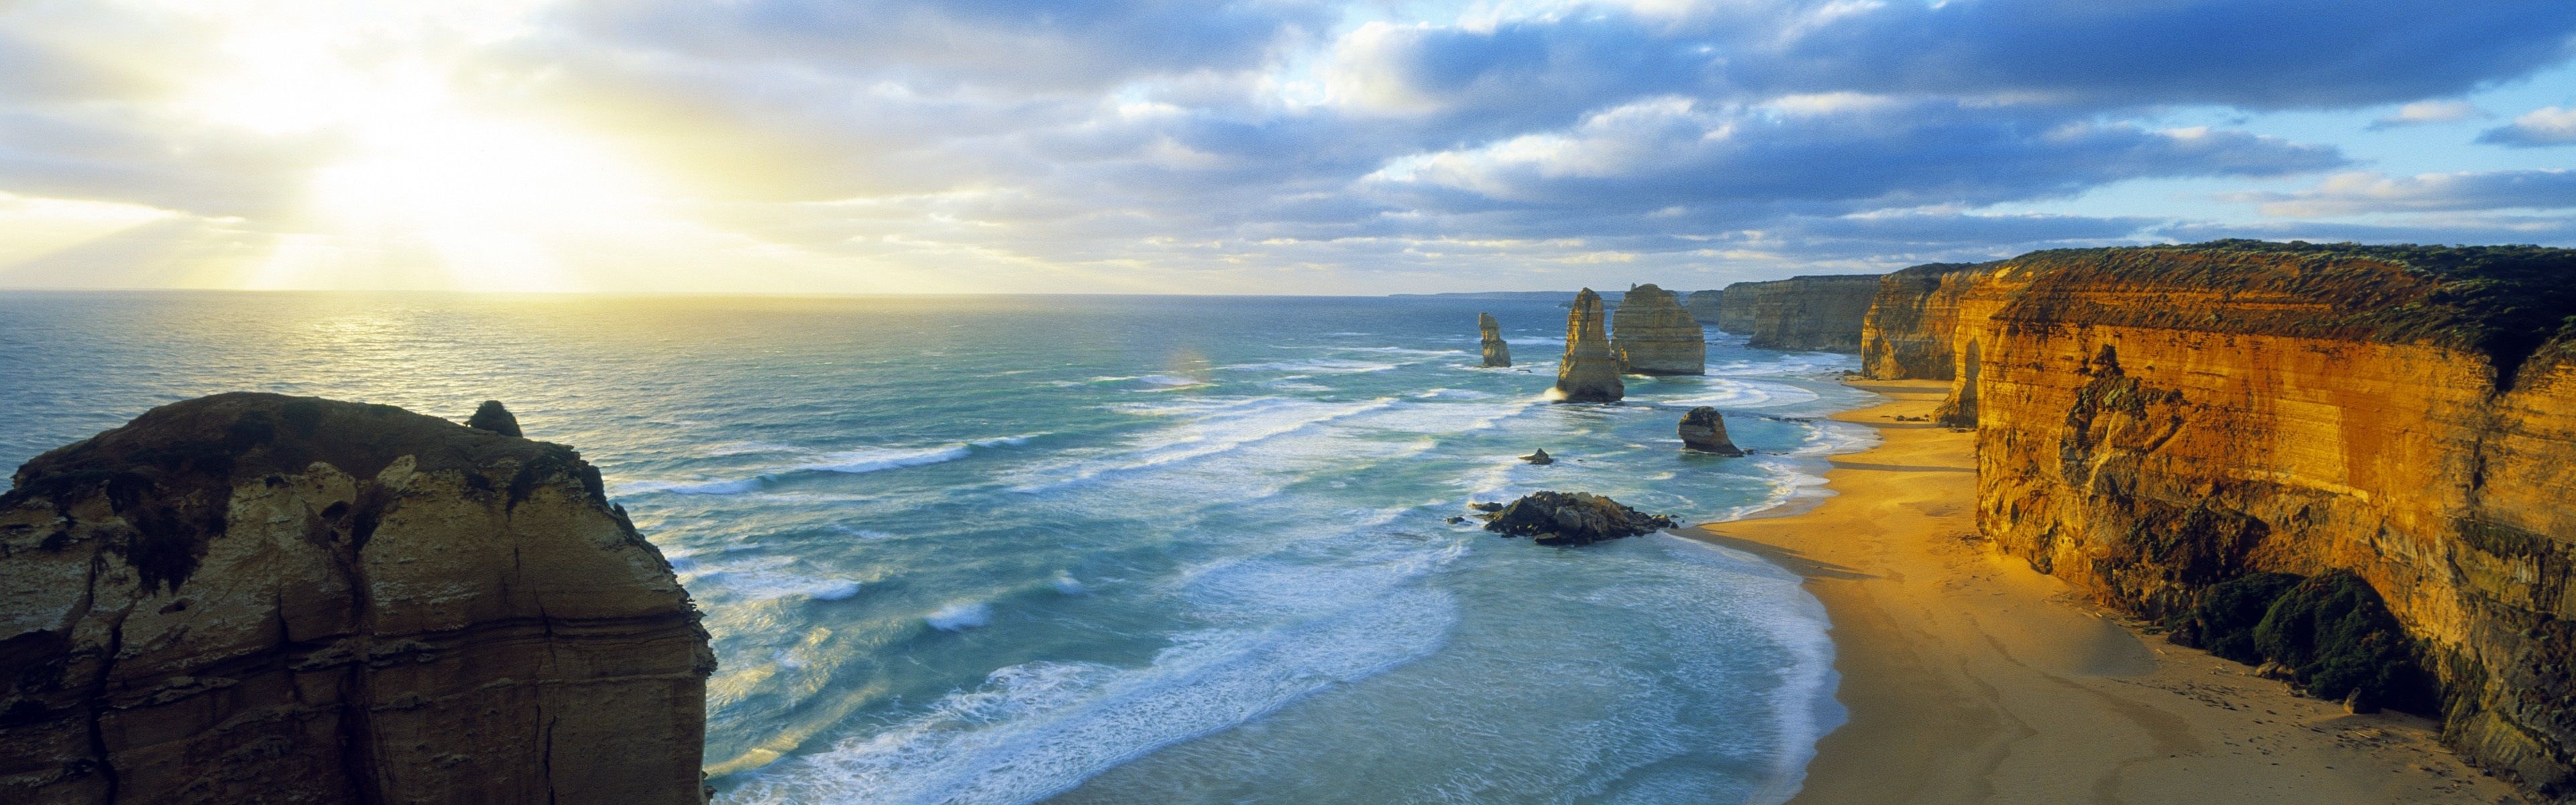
(1969, 677)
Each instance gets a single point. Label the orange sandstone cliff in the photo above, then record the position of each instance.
(1907, 333)
(255, 598)
(2157, 422)
(1803, 313)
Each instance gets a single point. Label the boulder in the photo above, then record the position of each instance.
(1704, 430)
(1539, 457)
(1589, 371)
(494, 418)
(1653, 335)
(1498, 353)
(260, 598)
(1578, 518)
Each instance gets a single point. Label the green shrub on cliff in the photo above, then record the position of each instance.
(2337, 635)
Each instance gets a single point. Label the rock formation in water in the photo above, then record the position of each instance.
(1589, 371)
(1497, 351)
(1704, 430)
(1906, 335)
(259, 598)
(2161, 426)
(494, 418)
(1810, 313)
(1653, 335)
(1539, 456)
(1580, 518)
(1704, 306)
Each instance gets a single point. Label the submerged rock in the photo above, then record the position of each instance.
(494, 418)
(260, 598)
(1577, 518)
(1498, 353)
(1653, 335)
(1704, 430)
(1539, 457)
(1589, 371)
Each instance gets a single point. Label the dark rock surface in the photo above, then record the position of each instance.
(1704, 430)
(1576, 518)
(494, 418)
(1539, 457)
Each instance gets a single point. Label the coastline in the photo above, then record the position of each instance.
(1969, 677)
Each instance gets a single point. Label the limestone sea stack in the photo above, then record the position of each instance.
(1655, 336)
(1590, 371)
(260, 598)
(1704, 430)
(1579, 518)
(1498, 352)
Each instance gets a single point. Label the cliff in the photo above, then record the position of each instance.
(256, 598)
(1703, 306)
(2159, 425)
(1590, 371)
(1654, 336)
(1803, 313)
(1906, 335)
(1498, 352)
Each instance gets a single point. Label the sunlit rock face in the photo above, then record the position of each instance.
(1498, 353)
(258, 598)
(2154, 421)
(1589, 371)
(1807, 313)
(1652, 333)
(1906, 335)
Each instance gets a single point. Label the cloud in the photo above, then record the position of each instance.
(2423, 112)
(2545, 126)
(2364, 193)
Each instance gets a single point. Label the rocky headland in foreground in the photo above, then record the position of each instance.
(257, 598)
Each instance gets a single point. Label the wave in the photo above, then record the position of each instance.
(1322, 366)
(848, 462)
(1209, 428)
(961, 616)
(766, 579)
(1727, 393)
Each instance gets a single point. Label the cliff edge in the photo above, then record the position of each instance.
(2160, 426)
(1906, 335)
(1801, 313)
(259, 598)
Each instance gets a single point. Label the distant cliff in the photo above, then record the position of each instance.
(1810, 313)
(2161, 425)
(1703, 306)
(258, 598)
(1654, 336)
(1907, 333)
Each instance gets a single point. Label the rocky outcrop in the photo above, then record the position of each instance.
(1579, 518)
(1801, 313)
(495, 418)
(1654, 336)
(2156, 422)
(1539, 456)
(1702, 429)
(1498, 353)
(1589, 371)
(1906, 335)
(1704, 306)
(255, 598)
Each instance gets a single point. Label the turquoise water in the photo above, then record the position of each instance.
(1101, 549)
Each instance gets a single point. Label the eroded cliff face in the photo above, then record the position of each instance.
(2155, 421)
(1654, 336)
(1704, 306)
(256, 598)
(1906, 334)
(1498, 352)
(1590, 371)
(1811, 313)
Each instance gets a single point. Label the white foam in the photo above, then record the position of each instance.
(961, 616)
(1208, 428)
(1065, 583)
(769, 578)
(1728, 393)
(851, 462)
(717, 486)
(1321, 366)
(872, 460)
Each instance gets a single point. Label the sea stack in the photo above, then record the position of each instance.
(1705, 431)
(1590, 371)
(1655, 336)
(494, 418)
(261, 598)
(1498, 352)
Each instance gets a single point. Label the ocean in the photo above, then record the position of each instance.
(1102, 549)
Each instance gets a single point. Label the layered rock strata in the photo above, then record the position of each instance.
(1704, 430)
(1802, 313)
(256, 598)
(1498, 353)
(1653, 335)
(2157, 421)
(1704, 306)
(1906, 335)
(1590, 371)
(1578, 518)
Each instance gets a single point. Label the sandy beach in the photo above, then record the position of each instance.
(1971, 678)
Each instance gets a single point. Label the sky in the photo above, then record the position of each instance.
(1245, 146)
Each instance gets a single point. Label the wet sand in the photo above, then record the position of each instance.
(1971, 678)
